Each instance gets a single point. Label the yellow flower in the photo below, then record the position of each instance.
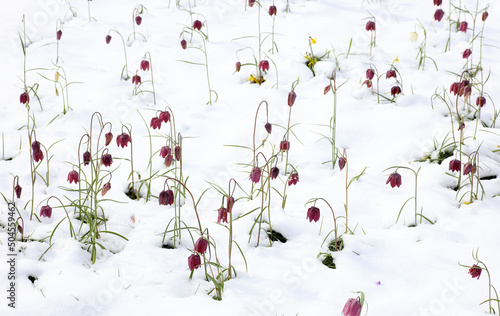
(56, 76)
(396, 60)
(253, 79)
(312, 40)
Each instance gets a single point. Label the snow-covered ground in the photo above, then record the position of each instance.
(400, 268)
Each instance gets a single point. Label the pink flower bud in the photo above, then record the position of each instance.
(238, 66)
(24, 98)
(352, 307)
(466, 53)
(106, 188)
(138, 20)
(18, 190)
(370, 74)
(268, 127)
(58, 35)
(86, 158)
(291, 98)
(183, 44)
(108, 39)
(109, 138)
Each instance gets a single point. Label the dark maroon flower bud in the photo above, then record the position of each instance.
(145, 65)
(293, 179)
(166, 197)
(475, 271)
(230, 204)
(466, 53)
(168, 159)
(484, 16)
(391, 74)
(481, 101)
(438, 15)
(73, 176)
(18, 190)
(394, 180)
(370, 74)
(268, 127)
(177, 153)
(368, 83)
(342, 162)
(274, 172)
(86, 158)
(370, 26)
(59, 34)
(109, 138)
(164, 116)
(108, 39)
(438, 2)
(183, 44)
(194, 262)
(264, 65)
(123, 140)
(313, 214)
(24, 98)
(106, 188)
(395, 90)
(106, 160)
(291, 98)
(272, 10)
(197, 25)
(463, 26)
(201, 245)
(155, 123)
(136, 79)
(37, 151)
(455, 165)
(138, 20)
(255, 175)
(468, 168)
(238, 66)
(164, 151)
(46, 211)
(352, 307)
(251, 3)
(284, 145)
(222, 215)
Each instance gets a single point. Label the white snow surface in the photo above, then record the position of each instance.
(402, 270)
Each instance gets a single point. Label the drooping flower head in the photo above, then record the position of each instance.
(272, 10)
(194, 261)
(284, 145)
(230, 204)
(291, 98)
(105, 188)
(481, 101)
(264, 65)
(395, 90)
(466, 53)
(455, 165)
(106, 160)
(164, 151)
(145, 65)
(86, 158)
(136, 79)
(268, 127)
(394, 180)
(352, 307)
(46, 211)
(293, 179)
(73, 176)
(177, 153)
(370, 74)
(438, 15)
(108, 39)
(59, 35)
(255, 175)
(463, 26)
(18, 190)
(168, 159)
(475, 271)
(138, 20)
(484, 16)
(24, 98)
(238, 66)
(201, 245)
(197, 25)
(370, 26)
(251, 3)
(123, 140)
(391, 74)
(313, 214)
(274, 172)
(183, 44)
(342, 162)
(469, 168)
(166, 197)
(37, 151)
(155, 123)
(222, 215)
(164, 116)
(438, 2)
(109, 138)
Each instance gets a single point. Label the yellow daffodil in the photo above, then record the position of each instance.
(312, 40)
(396, 60)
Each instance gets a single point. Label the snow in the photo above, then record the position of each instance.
(402, 270)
